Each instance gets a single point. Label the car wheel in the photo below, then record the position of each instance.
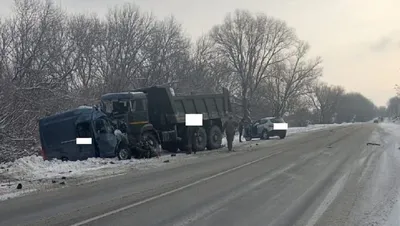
(124, 154)
(248, 138)
(264, 135)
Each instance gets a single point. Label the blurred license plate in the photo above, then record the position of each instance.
(280, 126)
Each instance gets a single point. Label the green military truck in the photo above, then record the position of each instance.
(155, 114)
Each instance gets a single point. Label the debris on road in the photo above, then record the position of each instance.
(375, 144)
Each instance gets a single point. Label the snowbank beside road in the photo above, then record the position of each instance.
(294, 130)
(34, 173)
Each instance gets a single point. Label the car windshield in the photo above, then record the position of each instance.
(277, 120)
(110, 106)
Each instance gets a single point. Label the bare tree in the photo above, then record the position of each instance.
(289, 78)
(33, 84)
(251, 44)
(85, 35)
(127, 31)
(393, 108)
(166, 55)
(209, 71)
(325, 99)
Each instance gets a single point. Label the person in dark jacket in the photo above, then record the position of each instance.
(229, 128)
(241, 125)
(191, 135)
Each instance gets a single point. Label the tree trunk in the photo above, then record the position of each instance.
(245, 103)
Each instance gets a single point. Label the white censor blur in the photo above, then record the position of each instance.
(194, 119)
(84, 140)
(280, 126)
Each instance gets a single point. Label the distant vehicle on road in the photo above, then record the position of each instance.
(376, 121)
(266, 128)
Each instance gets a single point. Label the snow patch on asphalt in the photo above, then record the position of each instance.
(392, 161)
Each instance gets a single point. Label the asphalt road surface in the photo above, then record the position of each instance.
(318, 178)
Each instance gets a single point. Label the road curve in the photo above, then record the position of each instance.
(309, 179)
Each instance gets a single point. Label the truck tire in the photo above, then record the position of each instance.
(153, 143)
(214, 140)
(200, 141)
(248, 138)
(282, 135)
(152, 138)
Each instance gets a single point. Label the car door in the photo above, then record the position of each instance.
(83, 130)
(254, 128)
(269, 125)
(106, 140)
(261, 126)
(138, 115)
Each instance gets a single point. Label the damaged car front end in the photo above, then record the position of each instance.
(81, 133)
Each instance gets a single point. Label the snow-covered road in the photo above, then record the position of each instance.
(35, 174)
(338, 176)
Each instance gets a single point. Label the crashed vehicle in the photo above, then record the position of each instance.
(266, 128)
(80, 134)
(157, 114)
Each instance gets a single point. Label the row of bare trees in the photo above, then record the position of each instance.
(51, 61)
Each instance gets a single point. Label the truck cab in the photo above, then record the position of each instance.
(129, 107)
(129, 111)
(154, 112)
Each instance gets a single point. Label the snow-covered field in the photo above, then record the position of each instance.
(35, 174)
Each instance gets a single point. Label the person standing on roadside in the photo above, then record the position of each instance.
(229, 129)
(191, 136)
(241, 126)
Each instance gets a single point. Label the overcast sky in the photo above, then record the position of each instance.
(359, 40)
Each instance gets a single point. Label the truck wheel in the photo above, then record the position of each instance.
(248, 138)
(124, 153)
(153, 143)
(282, 135)
(214, 140)
(151, 138)
(265, 135)
(200, 142)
